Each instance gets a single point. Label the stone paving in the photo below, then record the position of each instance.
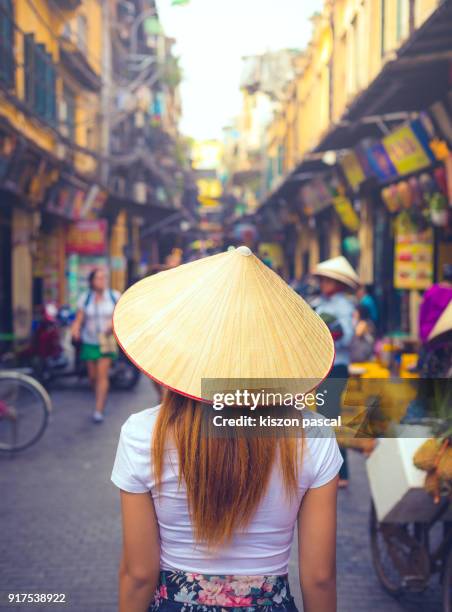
(59, 517)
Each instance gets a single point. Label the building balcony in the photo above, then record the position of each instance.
(67, 5)
(74, 60)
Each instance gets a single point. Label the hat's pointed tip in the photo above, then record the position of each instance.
(244, 250)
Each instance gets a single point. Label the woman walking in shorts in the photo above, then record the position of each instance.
(93, 327)
(208, 517)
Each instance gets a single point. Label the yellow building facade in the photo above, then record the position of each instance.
(352, 40)
(50, 124)
(39, 27)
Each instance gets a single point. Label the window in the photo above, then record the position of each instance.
(69, 101)
(402, 22)
(82, 30)
(280, 162)
(7, 63)
(383, 27)
(40, 79)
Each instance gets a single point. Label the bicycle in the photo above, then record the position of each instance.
(405, 558)
(25, 408)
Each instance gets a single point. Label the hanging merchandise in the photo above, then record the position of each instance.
(427, 185)
(416, 192)
(448, 170)
(441, 180)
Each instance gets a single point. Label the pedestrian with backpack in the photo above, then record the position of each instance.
(93, 329)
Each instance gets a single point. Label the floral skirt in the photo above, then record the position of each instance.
(185, 592)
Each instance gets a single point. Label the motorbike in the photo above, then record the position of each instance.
(53, 356)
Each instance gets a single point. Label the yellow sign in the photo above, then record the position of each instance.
(209, 202)
(353, 170)
(405, 151)
(346, 212)
(209, 187)
(413, 265)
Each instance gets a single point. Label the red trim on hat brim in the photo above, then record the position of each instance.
(193, 397)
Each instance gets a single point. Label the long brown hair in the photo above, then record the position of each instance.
(225, 477)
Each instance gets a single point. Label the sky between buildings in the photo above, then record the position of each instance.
(212, 37)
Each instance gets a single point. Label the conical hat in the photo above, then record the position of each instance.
(227, 316)
(338, 268)
(443, 324)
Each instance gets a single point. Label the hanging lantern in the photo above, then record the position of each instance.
(351, 245)
(390, 199)
(405, 195)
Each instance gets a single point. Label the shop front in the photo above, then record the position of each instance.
(404, 187)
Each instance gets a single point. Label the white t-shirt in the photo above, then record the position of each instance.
(98, 315)
(264, 547)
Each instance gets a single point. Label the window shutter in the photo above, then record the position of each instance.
(29, 69)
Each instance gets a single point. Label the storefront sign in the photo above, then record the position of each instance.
(405, 150)
(87, 237)
(353, 170)
(346, 213)
(413, 265)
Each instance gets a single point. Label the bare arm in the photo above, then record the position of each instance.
(140, 562)
(77, 324)
(317, 548)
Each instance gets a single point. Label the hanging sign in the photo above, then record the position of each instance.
(353, 170)
(413, 265)
(88, 237)
(346, 213)
(406, 151)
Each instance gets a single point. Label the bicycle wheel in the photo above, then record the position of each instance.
(447, 583)
(401, 562)
(24, 411)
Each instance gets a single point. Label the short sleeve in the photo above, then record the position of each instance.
(326, 457)
(132, 466)
(81, 302)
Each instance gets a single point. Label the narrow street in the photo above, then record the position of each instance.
(60, 516)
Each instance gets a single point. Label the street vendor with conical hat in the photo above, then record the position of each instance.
(338, 281)
(208, 520)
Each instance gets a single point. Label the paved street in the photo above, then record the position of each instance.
(59, 516)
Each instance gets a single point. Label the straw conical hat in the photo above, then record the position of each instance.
(338, 268)
(443, 324)
(227, 316)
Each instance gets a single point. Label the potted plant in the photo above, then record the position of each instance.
(439, 212)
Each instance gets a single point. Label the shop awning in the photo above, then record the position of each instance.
(418, 76)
